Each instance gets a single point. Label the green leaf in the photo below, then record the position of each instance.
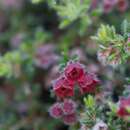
(71, 10)
(106, 34)
(113, 107)
(111, 57)
(128, 109)
(89, 101)
(64, 23)
(36, 1)
(125, 27)
(5, 69)
(13, 56)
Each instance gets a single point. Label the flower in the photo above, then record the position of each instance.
(70, 119)
(100, 126)
(74, 71)
(108, 5)
(122, 5)
(124, 107)
(56, 110)
(88, 83)
(66, 111)
(63, 87)
(111, 56)
(103, 54)
(83, 127)
(69, 106)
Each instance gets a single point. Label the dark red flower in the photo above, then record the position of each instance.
(88, 83)
(122, 5)
(124, 104)
(69, 106)
(70, 119)
(74, 71)
(56, 110)
(63, 88)
(107, 5)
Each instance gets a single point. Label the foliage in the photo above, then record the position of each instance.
(50, 55)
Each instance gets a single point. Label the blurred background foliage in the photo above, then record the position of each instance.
(26, 72)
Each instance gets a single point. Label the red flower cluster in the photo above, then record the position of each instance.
(124, 107)
(108, 5)
(66, 111)
(88, 83)
(74, 73)
(63, 87)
